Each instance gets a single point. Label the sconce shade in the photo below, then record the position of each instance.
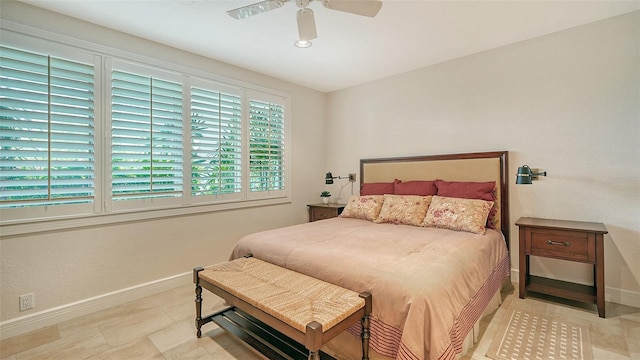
(328, 178)
(524, 175)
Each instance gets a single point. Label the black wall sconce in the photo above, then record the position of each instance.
(328, 178)
(526, 175)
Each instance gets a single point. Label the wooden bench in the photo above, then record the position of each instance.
(280, 313)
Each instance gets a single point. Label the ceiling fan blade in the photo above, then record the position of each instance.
(306, 25)
(368, 8)
(257, 8)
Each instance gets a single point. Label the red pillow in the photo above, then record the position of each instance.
(470, 190)
(415, 187)
(379, 188)
(467, 190)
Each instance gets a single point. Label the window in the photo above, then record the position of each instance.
(146, 137)
(46, 130)
(94, 134)
(216, 144)
(266, 147)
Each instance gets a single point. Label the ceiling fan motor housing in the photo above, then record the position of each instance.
(302, 3)
(306, 25)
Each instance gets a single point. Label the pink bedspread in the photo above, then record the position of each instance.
(429, 285)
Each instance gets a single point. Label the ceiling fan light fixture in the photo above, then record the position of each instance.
(302, 43)
(306, 28)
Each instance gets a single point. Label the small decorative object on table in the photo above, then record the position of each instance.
(325, 195)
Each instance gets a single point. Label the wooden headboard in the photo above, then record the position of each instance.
(483, 166)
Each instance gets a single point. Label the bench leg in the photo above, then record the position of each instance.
(366, 320)
(198, 310)
(365, 337)
(198, 300)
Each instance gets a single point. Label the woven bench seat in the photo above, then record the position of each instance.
(304, 309)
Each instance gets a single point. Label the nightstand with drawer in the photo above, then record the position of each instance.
(565, 240)
(324, 211)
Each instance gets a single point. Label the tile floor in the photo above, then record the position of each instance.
(162, 327)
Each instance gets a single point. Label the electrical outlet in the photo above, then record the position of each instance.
(352, 177)
(26, 302)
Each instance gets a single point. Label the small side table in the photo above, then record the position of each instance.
(324, 211)
(566, 240)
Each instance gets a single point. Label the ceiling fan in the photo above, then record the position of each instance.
(306, 21)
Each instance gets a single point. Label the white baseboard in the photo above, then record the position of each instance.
(611, 294)
(39, 320)
(622, 296)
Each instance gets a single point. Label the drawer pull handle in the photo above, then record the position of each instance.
(565, 243)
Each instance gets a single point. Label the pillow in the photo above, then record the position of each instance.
(363, 207)
(471, 190)
(467, 189)
(398, 209)
(415, 187)
(458, 214)
(379, 188)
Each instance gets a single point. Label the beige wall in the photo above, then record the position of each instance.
(64, 267)
(568, 103)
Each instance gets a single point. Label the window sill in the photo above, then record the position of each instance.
(39, 226)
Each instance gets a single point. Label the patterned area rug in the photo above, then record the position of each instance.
(524, 335)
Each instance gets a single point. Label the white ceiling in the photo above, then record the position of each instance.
(350, 49)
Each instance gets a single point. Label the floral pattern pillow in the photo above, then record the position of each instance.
(458, 214)
(404, 209)
(363, 207)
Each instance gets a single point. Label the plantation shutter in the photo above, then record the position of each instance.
(146, 137)
(266, 146)
(46, 130)
(87, 132)
(216, 143)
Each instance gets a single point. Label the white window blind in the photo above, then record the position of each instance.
(266, 146)
(146, 137)
(216, 143)
(46, 130)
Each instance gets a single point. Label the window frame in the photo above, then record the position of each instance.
(204, 199)
(26, 220)
(147, 203)
(66, 52)
(256, 96)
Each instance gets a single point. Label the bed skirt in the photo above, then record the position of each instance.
(348, 347)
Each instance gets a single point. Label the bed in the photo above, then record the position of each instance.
(433, 272)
